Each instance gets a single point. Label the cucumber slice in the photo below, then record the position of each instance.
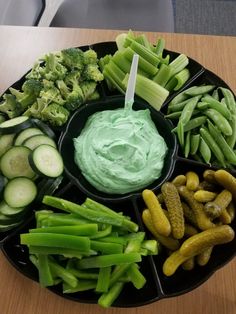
(25, 134)
(20, 192)
(47, 161)
(6, 141)
(36, 140)
(4, 228)
(15, 125)
(4, 220)
(14, 163)
(11, 212)
(44, 127)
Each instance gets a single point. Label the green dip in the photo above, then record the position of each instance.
(120, 151)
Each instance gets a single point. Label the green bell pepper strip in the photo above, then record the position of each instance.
(136, 277)
(108, 260)
(108, 298)
(128, 224)
(82, 211)
(103, 233)
(61, 219)
(56, 240)
(103, 281)
(151, 246)
(45, 275)
(119, 239)
(82, 285)
(106, 248)
(81, 230)
(34, 249)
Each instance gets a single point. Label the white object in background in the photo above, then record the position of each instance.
(50, 10)
(20, 12)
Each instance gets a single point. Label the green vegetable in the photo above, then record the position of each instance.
(205, 151)
(219, 121)
(103, 281)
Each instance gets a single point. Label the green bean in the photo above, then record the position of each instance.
(194, 143)
(215, 104)
(219, 121)
(220, 140)
(205, 151)
(188, 110)
(187, 145)
(199, 90)
(213, 146)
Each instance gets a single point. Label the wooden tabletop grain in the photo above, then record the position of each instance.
(19, 48)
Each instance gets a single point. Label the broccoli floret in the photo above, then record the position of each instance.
(93, 73)
(88, 88)
(90, 57)
(75, 97)
(94, 96)
(30, 91)
(50, 93)
(55, 114)
(73, 58)
(35, 72)
(10, 106)
(35, 111)
(53, 69)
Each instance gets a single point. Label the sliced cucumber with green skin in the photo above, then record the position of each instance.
(6, 141)
(47, 161)
(3, 117)
(25, 134)
(11, 212)
(20, 192)
(3, 182)
(15, 125)
(4, 220)
(36, 140)
(5, 228)
(44, 127)
(14, 163)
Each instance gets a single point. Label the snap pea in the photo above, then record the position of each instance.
(181, 97)
(218, 106)
(231, 140)
(180, 133)
(220, 121)
(173, 115)
(199, 90)
(229, 99)
(187, 145)
(205, 151)
(194, 123)
(213, 145)
(177, 106)
(220, 140)
(194, 143)
(215, 94)
(188, 110)
(202, 105)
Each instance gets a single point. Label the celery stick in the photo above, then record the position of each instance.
(160, 45)
(109, 75)
(178, 80)
(162, 75)
(103, 281)
(143, 64)
(150, 91)
(145, 53)
(82, 230)
(179, 63)
(120, 41)
(107, 298)
(56, 240)
(142, 40)
(123, 63)
(108, 260)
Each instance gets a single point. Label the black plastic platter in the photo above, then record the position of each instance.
(158, 286)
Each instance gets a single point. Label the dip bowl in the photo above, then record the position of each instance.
(77, 123)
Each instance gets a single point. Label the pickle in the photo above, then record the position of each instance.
(203, 222)
(159, 219)
(192, 181)
(189, 214)
(215, 208)
(231, 211)
(209, 176)
(205, 239)
(173, 262)
(203, 258)
(226, 180)
(160, 198)
(179, 180)
(225, 217)
(207, 186)
(175, 209)
(189, 264)
(167, 242)
(189, 230)
(203, 196)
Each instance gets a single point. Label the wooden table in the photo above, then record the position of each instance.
(19, 47)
